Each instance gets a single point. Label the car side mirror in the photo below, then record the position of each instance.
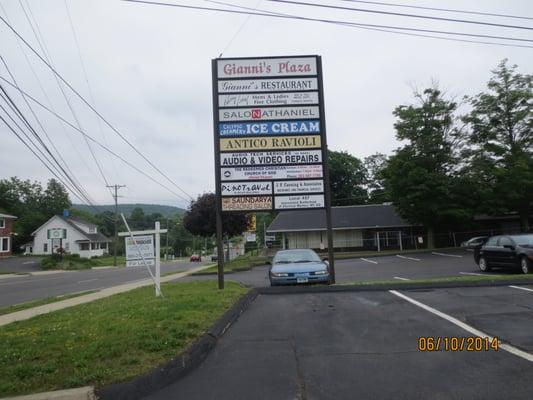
(326, 262)
(508, 246)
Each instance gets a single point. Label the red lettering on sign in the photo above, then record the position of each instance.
(256, 114)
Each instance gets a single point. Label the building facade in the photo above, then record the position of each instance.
(368, 227)
(6, 234)
(72, 234)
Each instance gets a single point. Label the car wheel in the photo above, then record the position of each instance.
(483, 265)
(525, 265)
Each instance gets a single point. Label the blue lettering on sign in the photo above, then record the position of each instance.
(269, 128)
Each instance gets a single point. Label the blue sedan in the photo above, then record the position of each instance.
(298, 266)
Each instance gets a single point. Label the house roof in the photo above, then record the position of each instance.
(349, 217)
(7, 216)
(73, 218)
(93, 237)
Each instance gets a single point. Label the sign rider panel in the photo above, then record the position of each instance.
(267, 85)
(268, 128)
(273, 157)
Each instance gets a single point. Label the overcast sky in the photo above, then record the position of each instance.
(149, 71)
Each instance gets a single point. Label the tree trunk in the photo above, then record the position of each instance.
(524, 221)
(431, 237)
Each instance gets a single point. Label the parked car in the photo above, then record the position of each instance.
(512, 251)
(474, 242)
(298, 266)
(214, 257)
(195, 257)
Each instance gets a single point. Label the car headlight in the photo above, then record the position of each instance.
(324, 272)
(279, 274)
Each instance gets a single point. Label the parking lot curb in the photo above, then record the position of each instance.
(83, 393)
(388, 286)
(184, 363)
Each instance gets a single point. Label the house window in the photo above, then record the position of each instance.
(2, 223)
(67, 246)
(84, 246)
(45, 248)
(92, 230)
(4, 245)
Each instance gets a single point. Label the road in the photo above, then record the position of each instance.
(364, 345)
(20, 264)
(28, 288)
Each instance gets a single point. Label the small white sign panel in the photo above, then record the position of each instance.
(293, 187)
(246, 188)
(267, 85)
(311, 201)
(271, 157)
(249, 68)
(145, 244)
(272, 172)
(265, 114)
(267, 99)
(247, 203)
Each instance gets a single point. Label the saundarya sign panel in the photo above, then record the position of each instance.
(269, 133)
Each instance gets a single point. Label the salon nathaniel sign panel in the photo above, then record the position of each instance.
(269, 133)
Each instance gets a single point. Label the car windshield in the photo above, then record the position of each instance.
(523, 240)
(296, 256)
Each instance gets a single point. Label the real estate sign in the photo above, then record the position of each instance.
(269, 133)
(143, 246)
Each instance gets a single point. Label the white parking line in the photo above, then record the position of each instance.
(462, 325)
(369, 261)
(446, 255)
(88, 280)
(521, 288)
(472, 273)
(408, 258)
(402, 279)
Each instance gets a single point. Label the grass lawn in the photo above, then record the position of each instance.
(241, 263)
(74, 262)
(106, 261)
(48, 300)
(109, 340)
(472, 278)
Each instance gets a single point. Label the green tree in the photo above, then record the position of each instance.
(422, 177)
(347, 178)
(374, 166)
(31, 204)
(200, 218)
(137, 219)
(55, 198)
(501, 140)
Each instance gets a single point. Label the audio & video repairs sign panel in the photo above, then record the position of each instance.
(269, 133)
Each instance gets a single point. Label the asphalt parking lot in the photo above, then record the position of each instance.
(437, 264)
(364, 345)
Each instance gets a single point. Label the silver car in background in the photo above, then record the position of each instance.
(298, 266)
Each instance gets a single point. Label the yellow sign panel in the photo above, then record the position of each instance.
(270, 143)
(247, 203)
(252, 222)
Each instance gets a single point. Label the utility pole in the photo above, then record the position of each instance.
(166, 247)
(116, 196)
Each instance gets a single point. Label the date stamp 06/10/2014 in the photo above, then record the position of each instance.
(455, 343)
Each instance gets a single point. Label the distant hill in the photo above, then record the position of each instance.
(128, 208)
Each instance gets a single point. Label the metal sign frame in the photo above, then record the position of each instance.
(321, 134)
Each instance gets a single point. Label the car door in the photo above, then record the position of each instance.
(490, 250)
(507, 251)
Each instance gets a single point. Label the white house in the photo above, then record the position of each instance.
(73, 234)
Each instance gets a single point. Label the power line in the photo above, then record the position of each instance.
(380, 28)
(43, 158)
(439, 9)
(50, 104)
(91, 97)
(93, 109)
(365, 10)
(131, 165)
(46, 53)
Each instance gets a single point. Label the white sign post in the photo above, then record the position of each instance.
(140, 251)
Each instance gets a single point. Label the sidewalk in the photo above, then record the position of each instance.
(59, 305)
